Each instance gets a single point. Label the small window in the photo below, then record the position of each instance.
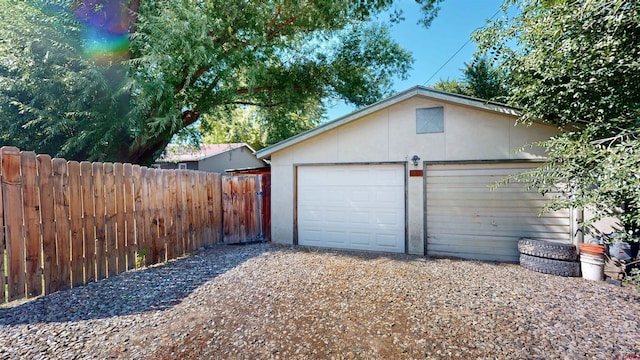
(430, 120)
(182, 166)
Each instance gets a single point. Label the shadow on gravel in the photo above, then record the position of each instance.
(373, 255)
(151, 289)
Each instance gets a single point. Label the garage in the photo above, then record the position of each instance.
(411, 174)
(465, 218)
(360, 207)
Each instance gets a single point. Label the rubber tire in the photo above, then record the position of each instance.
(548, 249)
(550, 266)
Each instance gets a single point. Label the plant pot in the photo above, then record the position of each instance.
(592, 249)
(592, 267)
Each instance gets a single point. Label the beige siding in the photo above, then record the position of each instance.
(389, 135)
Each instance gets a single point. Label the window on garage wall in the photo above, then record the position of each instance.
(430, 120)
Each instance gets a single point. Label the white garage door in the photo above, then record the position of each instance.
(352, 207)
(466, 219)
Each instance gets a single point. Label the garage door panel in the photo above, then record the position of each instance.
(477, 256)
(387, 177)
(469, 218)
(491, 245)
(482, 202)
(360, 238)
(465, 218)
(488, 229)
(484, 194)
(357, 207)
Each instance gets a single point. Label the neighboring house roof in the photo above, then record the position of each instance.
(457, 99)
(174, 154)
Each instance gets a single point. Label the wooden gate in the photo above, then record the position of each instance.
(246, 208)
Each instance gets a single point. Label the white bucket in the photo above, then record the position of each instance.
(592, 267)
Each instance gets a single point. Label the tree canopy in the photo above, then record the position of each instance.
(480, 79)
(576, 64)
(116, 80)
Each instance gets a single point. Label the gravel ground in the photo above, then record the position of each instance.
(268, 301)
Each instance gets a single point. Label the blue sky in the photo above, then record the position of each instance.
(432, 47)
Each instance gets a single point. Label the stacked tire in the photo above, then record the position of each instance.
(549, 257)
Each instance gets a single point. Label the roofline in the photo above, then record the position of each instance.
(392, 100)
(200, 158)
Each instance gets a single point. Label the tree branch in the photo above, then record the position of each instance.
(277, 30)
(195, 76)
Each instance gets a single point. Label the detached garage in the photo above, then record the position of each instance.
(412, 174)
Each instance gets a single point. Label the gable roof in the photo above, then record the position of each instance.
(422, 91)
(174, 153)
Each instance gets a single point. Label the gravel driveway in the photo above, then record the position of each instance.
(267, 301)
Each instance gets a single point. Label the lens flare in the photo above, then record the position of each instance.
(106, 36)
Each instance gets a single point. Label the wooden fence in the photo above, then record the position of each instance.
(67, 223)
(246, 204)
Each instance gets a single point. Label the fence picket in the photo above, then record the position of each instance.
(197, 235)
(180, 200)
(189, 211)
(170, 206)
(75, 224)
(12, 199)
(202, 194)
(121, 242)
(88, 222)
(61, 213)
(32, 236)
(47, 215)
(129, 199)
(161, 216)
(137, 213)
(144, 234)
(99, 209)
(110, 218)
(3, 253)
(152, 240)
(216, 188)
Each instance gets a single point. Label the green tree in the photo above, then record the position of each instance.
(251, 125)
(110, 97)
(454, 86)
(51, 97)
(576, 64)
(483, 80)
(479, 79)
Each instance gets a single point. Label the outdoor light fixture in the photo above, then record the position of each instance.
(414, 160)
